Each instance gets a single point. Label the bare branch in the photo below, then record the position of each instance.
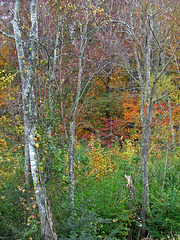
(167, 94)
(7, 35)
(166, 65)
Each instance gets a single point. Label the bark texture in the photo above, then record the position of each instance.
(130, 187)
(146, 108)
(27, 72)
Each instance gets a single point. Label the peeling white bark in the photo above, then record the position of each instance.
(27, 73)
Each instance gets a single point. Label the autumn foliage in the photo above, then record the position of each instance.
(91, 47)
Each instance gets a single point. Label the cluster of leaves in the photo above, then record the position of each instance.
(110, 133)
(100, 164)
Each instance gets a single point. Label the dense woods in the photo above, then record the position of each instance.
(89, 119)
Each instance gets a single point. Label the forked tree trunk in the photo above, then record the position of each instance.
(27, 72)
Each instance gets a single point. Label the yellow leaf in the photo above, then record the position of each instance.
(37, 145)
(34, 206)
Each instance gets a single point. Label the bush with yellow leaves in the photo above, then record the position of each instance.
(100, 165)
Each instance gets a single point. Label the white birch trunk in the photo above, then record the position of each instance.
(27, 73)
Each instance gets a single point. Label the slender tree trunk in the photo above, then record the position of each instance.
(146, 133)
(179, 131)
(73, 114)
(26, 161)
(108, 113)
(71, 164)
(146, 106)
(72, 135)
(169, 102)
(51, 74)
(146, 127)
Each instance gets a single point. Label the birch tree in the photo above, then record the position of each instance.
(27, 58)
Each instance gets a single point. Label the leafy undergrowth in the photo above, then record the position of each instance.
(103, 209)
